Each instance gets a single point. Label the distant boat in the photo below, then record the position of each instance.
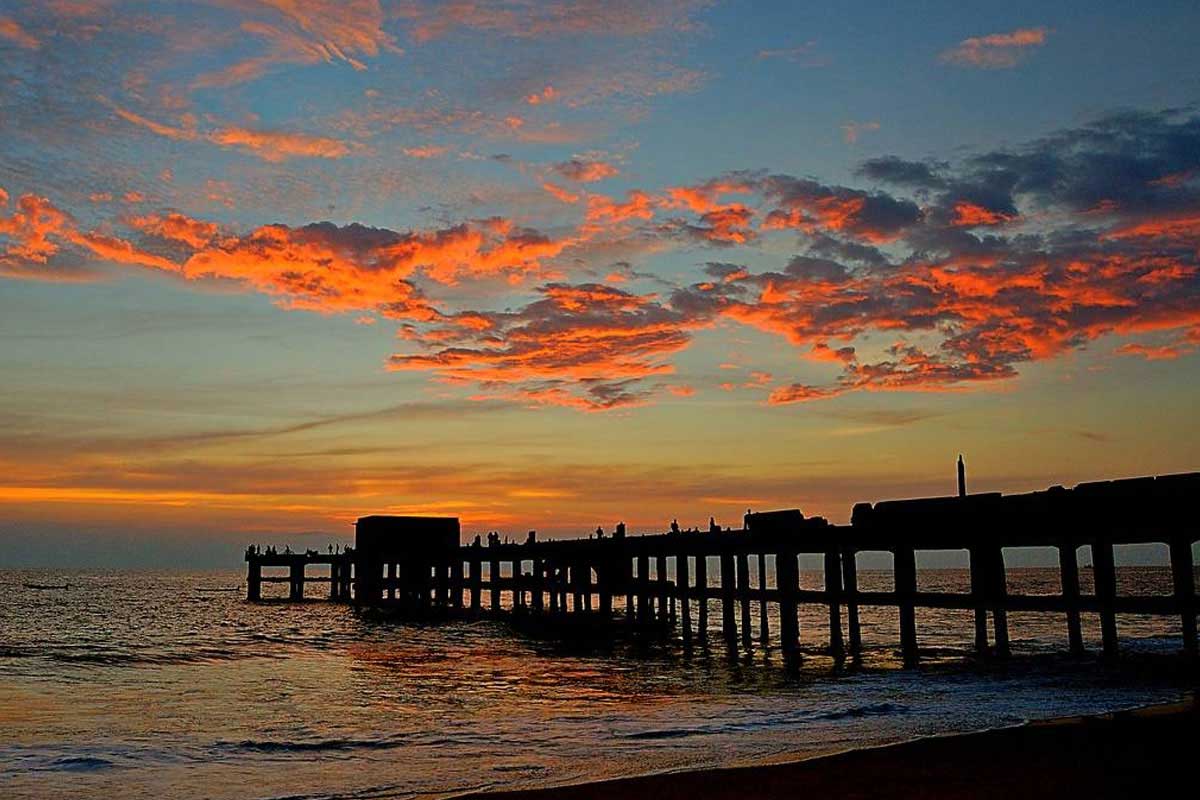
(46, 585)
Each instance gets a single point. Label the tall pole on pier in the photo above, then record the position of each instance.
(962, 477)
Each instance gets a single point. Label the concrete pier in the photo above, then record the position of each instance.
(418, 566)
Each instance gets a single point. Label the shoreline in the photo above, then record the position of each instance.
(1110, 755)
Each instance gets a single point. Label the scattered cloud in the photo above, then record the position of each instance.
(996, 50)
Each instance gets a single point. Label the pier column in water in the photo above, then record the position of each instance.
(728, 593)
(1068, 567)
(494, 582)
(905, 567)
(660, 578)
(476, 567)
(787, 579)
(1184, 580)
(456, 582)
(850, 588)
(702, 594)
(833, 591)
(683, 590)
(1105, 574)
(979, 592)
(998, 582)
(334, 579)
(764, 626)
(297, 580)
(743, 590)
(539, 584)
(254, 580)
(643, 588)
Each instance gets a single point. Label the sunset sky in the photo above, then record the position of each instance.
(269, 265)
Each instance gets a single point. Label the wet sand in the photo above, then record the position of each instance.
(1146, 752)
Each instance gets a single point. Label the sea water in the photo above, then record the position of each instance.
(161, 684)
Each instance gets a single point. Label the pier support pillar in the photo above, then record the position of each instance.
(702, 595)
(979, 591)
(296, 572)
(728, 594)
(494, 581)
(391, 586)
(1184, 580)
(1105, 573)
(643, 588)
(685, 602)
(456, 583)
(850, 589)
(1068, 567)
(833, 591)
(743, 590)
(254, 581)
(905, 567)
(999, 595)
(539, 585)
(660, 578)
(787, 580)
(764, 626)
(334, 580)
(476, 567)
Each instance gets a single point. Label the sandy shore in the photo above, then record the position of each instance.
(1126, 754)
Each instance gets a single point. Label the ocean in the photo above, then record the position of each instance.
(159, 684)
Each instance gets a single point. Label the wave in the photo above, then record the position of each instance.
(79, 764)
(320, 745)
(853, 712)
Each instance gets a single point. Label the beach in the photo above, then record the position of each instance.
(1145, 752)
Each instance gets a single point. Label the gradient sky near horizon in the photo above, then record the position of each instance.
(267, 265)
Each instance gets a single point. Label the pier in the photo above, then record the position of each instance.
(668, 582)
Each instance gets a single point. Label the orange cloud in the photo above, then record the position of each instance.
(547, 95)
(586, 171)
(279, 146)
(177, 227)
(267, 145)
(308, 32)
(997, 50)
(969, 215)
(10, 29)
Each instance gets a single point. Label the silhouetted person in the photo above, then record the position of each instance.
(619, 533)
(746, 520)
(674, 526)
(531, 538)
(477, 542)
(599, 532)
(713, 527)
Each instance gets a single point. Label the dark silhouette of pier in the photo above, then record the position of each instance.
(418, 566)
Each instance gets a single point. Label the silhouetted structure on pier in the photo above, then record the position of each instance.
(417, 565)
